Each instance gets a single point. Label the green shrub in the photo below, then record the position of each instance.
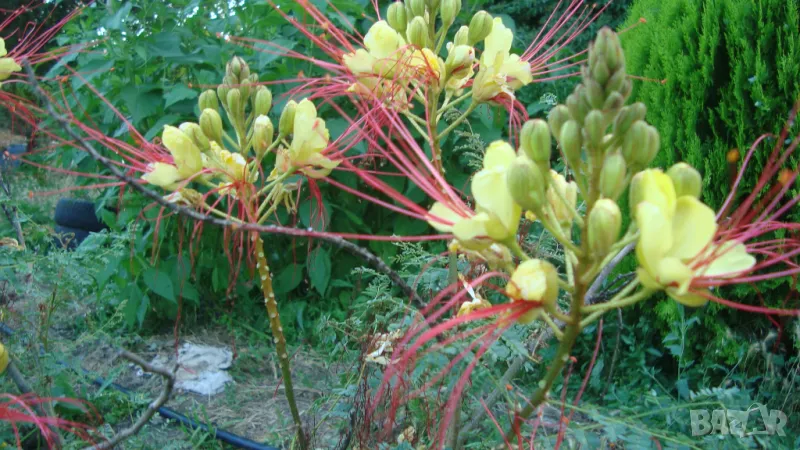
(730, 69)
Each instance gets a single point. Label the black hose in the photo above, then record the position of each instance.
(167, 413)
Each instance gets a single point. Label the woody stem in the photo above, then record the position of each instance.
(279, 338)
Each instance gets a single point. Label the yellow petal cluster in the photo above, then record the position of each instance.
(187, 160)
(496, 214)
(676, 241)
(501, 72)
(310, 138)
(7, 65)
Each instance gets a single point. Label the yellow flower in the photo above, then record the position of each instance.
(187, 158)
(500, 70)
(384, 46)
(675, 244)
(3, 358)
(497, 215)
(310, 137)
(7, 65)
(534, 280)
(459, 64)
(559, 188)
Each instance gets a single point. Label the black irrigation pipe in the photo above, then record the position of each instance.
(167, 413)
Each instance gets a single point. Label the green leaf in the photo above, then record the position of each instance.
(312, 216)
(178, 93)
(142, 311)
(288, 279)
(166, 45)
(268, 53)
(141, 102)
(131, 311)
(159, 126)
(319, 269)
(159, 282)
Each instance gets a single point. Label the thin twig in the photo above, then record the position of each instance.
(372, 260)
(166, 392)
(615, 355)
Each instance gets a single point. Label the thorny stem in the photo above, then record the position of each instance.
(278, 337)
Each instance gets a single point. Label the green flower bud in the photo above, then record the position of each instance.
(244, 90)
(613, 103)
(626, 88)
(237, 69)
(594, 94)
(208, 100)
(234, 102)
(462, 36)
(571, 142)
(600, 72)
(635, 141)
(396, 16)
(686, 179)
(604, 225)
(578, 108)
(627, 116)
(433, 5)
(286, 123)
(263, 101)
(535, 141)
(417, 32)
(479, 27)
(195, 133)
(615, 58)
(253, 78)
(211, 124)
(222, 94)
(648, 153)
(416, 8)
(526, 184)
(616, 81)
(450, 10)
(612, 176)
(263, 132)
(594, 128)
(556, 118)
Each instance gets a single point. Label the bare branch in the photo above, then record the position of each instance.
(166, 392)
(374, 261)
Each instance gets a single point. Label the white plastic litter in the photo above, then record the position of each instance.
(201, 369)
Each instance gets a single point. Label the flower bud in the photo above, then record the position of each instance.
(613, 103)
(396, 16)
(462, 36)
(571, 142)
(433, 5)
(605, 223)
(449, 11)
(211, 124)
(416, 8)
(479, 27)
(534, 280)
(244, 90)
(237, 69)
(286, 123)
(643, 152)
(535, 141)
(263, 101)
(575, 105)
(612, 176)
(635, 194)
(417, 32)
(600, 72)
(234, 101)
(686, 179)
(557, 117)
(208, 100)
(616, 81)
(195, 133)
(222, 94)
(460, 60)
(263, 132)
(594, 128)
(635, 140)
(653, 145)
(526, 184)
(627, 116)
(594, 94)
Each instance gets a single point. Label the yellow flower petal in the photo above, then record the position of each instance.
(310, 135)
(7, 66)
(671, 271)
(3, 352)
(497, 43)
(162, 175)
(689, 299)
(359, 62)
(440, 212)
(519, 71)
(187, 156)
(657, 188)
(693, 227)
(382, 41)
(655, 237)
(647, 280)
(471, 233)
(730, 259)
(499, 154)
(534, 280)
(3, 51)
